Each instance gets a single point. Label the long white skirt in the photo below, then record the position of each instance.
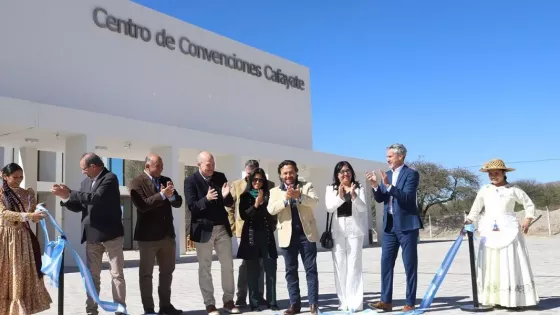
(504, 272)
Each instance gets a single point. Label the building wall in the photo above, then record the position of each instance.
(55, 54)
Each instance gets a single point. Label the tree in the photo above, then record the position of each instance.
(550, 195)
(542, 195)
(132, 168)
(439, 186)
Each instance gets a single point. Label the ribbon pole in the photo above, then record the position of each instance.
(61, 283)
(476, 307)
(53, 267)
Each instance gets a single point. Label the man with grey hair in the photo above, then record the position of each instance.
(207, 193)
(237, 188)
(401, 224)
(99, 202)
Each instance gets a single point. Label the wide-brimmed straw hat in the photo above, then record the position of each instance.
(496, 164)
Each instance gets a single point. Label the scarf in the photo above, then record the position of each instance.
(254, 193)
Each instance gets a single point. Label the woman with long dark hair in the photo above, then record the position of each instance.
(257, 239)
(22, 290)
(345, 202)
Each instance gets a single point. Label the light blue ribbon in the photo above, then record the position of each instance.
(440, 274)
(367, 310)
(52, 259)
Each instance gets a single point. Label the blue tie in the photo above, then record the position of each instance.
(156, 183)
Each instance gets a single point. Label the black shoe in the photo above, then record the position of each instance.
(259, 308)
(241, 302)
(170, 310)
(149, 311)
(273, 307)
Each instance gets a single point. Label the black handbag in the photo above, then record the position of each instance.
(326, 239)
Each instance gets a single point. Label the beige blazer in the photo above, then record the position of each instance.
(237, 188)
(309, 201)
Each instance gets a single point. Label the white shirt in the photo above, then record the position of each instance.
(394, 179)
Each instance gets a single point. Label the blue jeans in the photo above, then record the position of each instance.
(308, 251)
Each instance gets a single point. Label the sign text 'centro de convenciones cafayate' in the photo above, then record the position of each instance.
(103, 19)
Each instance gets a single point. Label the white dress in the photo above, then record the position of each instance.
(504, 274)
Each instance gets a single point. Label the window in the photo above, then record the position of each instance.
(116, 166)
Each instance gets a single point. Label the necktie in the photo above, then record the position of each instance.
(156, 183)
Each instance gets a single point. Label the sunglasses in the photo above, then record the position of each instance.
(258, 180)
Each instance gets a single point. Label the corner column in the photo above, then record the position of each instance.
(27, 158)
(175, 170)
(76, 146)
(232, 166)
(8, 155)
(320, 178)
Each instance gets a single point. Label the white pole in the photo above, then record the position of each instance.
(430, 220)
(548, 216)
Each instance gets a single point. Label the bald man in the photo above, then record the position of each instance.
(207, 194)
(154, 195)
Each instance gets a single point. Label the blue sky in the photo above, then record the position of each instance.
(458, 82)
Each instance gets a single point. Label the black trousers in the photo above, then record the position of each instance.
(253, 272)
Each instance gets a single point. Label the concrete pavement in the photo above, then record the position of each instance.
(454, 291)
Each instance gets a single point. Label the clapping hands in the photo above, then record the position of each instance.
(260, 199)
(61, 191)
(293, 193)
(168, 190)
(213, 194)
(342, 190)
(372, 178)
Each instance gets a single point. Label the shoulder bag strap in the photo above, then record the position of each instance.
(329, 226)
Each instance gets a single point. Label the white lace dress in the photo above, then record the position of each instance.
(504, 274)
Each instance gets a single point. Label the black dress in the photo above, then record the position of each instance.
(257, 242)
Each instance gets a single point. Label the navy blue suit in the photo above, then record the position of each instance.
(400, 229)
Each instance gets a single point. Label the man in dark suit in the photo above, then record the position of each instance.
(401, 224)
(154, 195)
(207, 194)
(99, 201)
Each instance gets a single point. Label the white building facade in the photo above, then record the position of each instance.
(119, 79)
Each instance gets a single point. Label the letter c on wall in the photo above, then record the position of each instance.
(96, 20)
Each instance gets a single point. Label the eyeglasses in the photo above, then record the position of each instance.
(345, 172)
(85, 168)
(258, 180)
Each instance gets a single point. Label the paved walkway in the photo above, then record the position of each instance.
(454, 292)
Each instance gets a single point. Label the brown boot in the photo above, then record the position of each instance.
(314, 309)
(408, 308)
(292, 310)
(387, 307)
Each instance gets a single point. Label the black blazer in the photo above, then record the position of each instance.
(155, 218)
(100, 206)
(206, 214)
(256, 217)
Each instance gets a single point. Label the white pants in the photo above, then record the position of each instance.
(347, 257)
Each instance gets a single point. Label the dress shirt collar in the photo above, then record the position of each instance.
(398, 169)
(207, 179)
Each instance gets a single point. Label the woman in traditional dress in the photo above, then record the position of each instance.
(504, 274)
(22, 290)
